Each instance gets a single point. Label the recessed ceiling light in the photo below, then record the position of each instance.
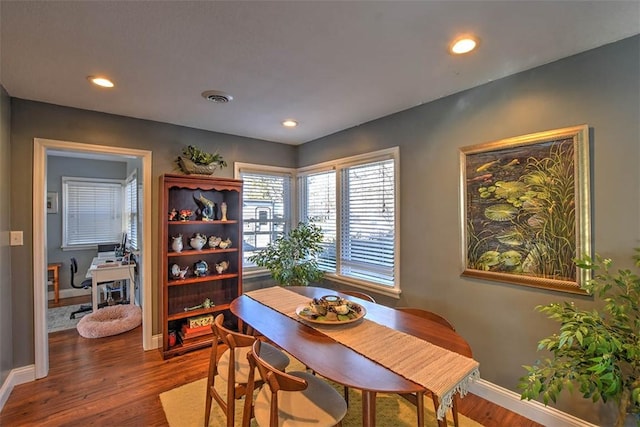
(464, 44)
(289, 123)
(100, 81)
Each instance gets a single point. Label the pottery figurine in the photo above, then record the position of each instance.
(225, 244)
(176, 243)
(222, 266)
(183, 273)
(214, 241)
(223, 209)
(198, 241)
(175, 270)
(201, 268)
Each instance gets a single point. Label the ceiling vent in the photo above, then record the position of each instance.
(217, 96)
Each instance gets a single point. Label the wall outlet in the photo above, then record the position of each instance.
(15, 238)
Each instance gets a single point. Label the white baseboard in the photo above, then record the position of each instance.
(16, 377)
(530, 409)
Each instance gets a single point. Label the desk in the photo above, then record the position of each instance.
(340, 363)
(54, 269)
(103, 271)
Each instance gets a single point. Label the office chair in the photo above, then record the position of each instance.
(86, 284)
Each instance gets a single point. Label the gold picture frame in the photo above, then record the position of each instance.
(525, 209)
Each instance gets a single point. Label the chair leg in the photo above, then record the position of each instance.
(346, 395)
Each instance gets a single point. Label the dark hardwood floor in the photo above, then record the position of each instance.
(113, 382)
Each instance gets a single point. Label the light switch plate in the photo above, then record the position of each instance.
(16, 238)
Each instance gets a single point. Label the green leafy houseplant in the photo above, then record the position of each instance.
(291, 258)
(196, 161)
(599, 351)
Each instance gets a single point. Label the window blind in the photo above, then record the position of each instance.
(131, 210)
(368, 222)
(92, 211)
(320, 208)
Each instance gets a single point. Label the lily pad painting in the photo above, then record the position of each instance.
(525, 208)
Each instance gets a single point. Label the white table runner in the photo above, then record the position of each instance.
(439, 370)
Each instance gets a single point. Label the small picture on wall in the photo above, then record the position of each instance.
(525, 209)
(52, 202)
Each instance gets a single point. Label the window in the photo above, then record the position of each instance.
(266, 206)
(92, 211)
(131, 210)
(354, 201)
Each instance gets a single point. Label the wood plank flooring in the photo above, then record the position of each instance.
(113, 382)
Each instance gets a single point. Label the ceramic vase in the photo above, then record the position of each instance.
(223, 209)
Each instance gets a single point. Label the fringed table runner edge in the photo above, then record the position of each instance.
(441, 371)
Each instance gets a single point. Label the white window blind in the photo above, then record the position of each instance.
(320, 208)
(131, 210)
(368, 222)
(353, 200)
(92, 211)
(266, 209)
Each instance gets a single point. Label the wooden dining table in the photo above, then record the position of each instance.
(337, 362)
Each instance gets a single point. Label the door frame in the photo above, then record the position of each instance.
(40, 149)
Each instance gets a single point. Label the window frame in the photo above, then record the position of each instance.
(128, 215)
(289, 208)
(297, 209)
(338, 165)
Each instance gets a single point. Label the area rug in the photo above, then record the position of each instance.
(58, 318)
(184, 407)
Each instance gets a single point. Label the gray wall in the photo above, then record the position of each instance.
(57, 167)
(31, 120)
(600, 88)
(6, 337)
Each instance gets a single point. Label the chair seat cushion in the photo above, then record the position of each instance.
(318, 405)
(111, 320)
(272, 355)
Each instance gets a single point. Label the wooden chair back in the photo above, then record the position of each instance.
(225, 338)
(426, 314)
(275, 379)
(359, 294)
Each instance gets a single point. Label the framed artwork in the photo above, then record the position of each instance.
(525, 209)
(52, 202)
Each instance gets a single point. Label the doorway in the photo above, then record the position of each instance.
(41, 148)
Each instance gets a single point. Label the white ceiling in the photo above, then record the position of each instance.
(329, 65)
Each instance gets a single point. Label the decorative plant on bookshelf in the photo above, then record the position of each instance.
(597, 350)
(291, 258)
(195, 161)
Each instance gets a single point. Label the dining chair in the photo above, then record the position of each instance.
(417, 398)
(358, 294)
(228, 361)
(293, 398)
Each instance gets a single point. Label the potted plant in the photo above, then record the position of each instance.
(291, 258)
(195, 161)
(599, 351)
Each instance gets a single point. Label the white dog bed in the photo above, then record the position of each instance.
(111, 320)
